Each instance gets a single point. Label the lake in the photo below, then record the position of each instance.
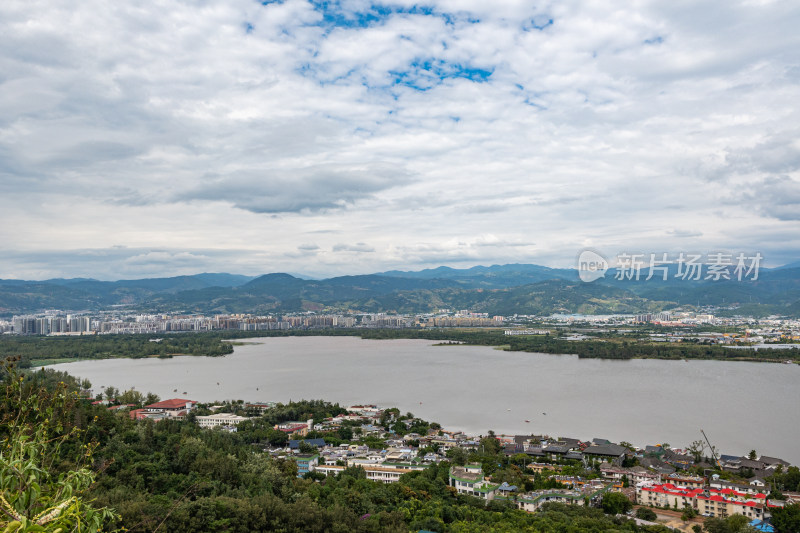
(741, 406)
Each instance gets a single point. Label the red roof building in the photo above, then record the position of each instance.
(708, 502)
(175, 404)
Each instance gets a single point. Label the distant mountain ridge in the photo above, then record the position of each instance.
(496, 289)
(86, 294)
(495, 276)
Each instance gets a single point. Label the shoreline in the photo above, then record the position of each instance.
(584, 349)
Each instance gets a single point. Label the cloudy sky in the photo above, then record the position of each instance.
(150, 138)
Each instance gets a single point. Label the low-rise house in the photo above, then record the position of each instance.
(535, 451)
(635, 475)
(741, 464)
(773, 461)
(259, 408)
(306, 463)
(445, 443)
(678, 460)
(366, 410)
(555, 451)
(363, 462)
(469, 480)
(174, 408)
(317, 443)
(505, 490)
(685, 481)
(220, 420)
(532, 501)
(295, 428)
(408, 467)
(542, 467)
(384, 473)
(400, 454)
(755, 486)
(657, 466)
(654, 451)
(612, 453)
(144, 414)
(572, 444)
(369, 429)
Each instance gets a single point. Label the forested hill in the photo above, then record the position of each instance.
(499, 289)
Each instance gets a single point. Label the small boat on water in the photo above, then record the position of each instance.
(527, 421)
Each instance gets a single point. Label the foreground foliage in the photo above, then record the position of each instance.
(44, 476)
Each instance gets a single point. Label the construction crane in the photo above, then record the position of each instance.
(712, 449)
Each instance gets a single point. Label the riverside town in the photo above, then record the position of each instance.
(676, 487)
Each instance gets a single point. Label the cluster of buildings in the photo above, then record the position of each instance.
(772, 326)
(751, 331)
(47, 325)
(655, 476)
(52, 323)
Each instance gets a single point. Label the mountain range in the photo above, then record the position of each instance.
(497, 289)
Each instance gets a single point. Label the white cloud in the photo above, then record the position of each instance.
(242, 128)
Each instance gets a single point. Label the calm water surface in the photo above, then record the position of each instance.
(741, 406)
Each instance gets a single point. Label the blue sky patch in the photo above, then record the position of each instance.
(425, 73)
(538, 23)
(335, 15)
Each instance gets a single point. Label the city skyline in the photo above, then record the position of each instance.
(330, 138)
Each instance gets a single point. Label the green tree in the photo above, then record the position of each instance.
(645, 513)
(615, 503)
(733, 524)
(786, 519)
(111, 393)
(688, 513)
(752, 455)
(151, 398)
(131, 396)
(696, 450)
(490, 445)
(36, 493)
(345, 433)
(457, 456)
